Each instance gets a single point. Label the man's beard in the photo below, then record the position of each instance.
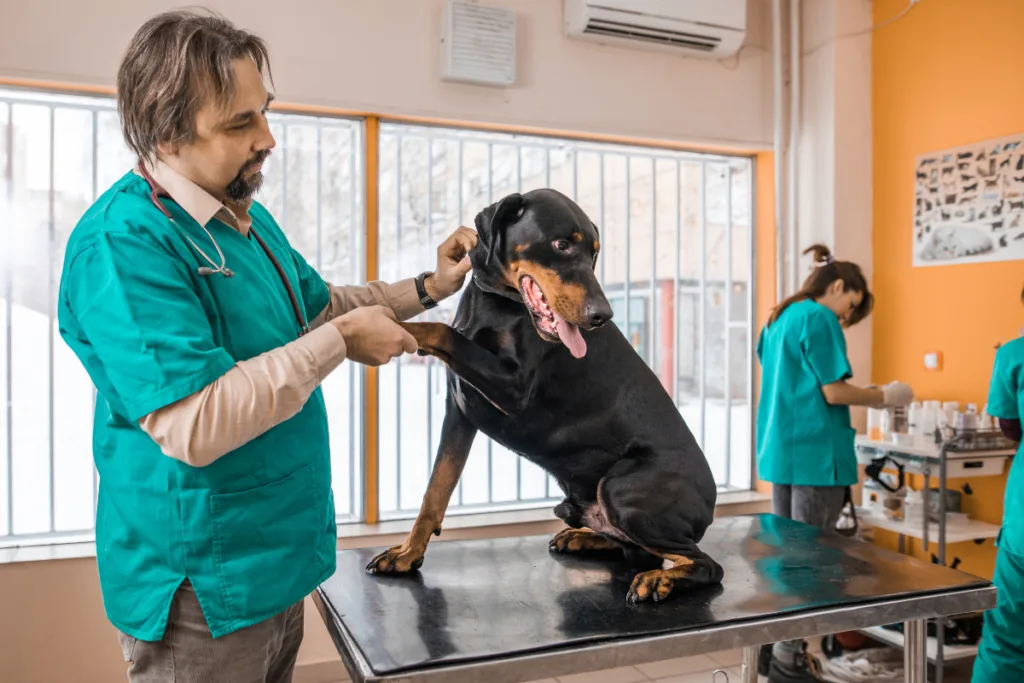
(242, 189)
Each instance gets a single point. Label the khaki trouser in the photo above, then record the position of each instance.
(262, 653)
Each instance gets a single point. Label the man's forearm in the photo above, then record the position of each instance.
(251, 398)
(400, 297)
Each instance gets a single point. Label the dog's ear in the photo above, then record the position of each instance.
(492, 222)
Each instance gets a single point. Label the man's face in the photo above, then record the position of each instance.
(231, 142)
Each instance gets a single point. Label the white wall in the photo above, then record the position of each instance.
(383, 56)
(834, 156)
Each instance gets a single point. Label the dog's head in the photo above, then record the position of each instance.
(541, 248)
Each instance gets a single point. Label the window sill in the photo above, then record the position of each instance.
(456, 527)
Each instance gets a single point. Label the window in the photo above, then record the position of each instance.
(676, 247)
(57, 153)
(676, 264)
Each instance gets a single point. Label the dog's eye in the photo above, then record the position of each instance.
(562, 245)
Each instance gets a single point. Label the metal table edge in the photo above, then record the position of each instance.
(348, 650)
(597, 655)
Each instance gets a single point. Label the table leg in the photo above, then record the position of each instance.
(748, 670)
(915, 651)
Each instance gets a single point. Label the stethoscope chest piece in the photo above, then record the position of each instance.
(206, 270)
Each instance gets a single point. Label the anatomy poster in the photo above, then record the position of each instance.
(969, 204)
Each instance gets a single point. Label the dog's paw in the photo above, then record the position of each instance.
(579, 540)
(654, 585)
(396, 560)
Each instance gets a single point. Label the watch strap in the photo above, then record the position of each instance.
(421, 291)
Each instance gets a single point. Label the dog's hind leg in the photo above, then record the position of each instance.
(457, 436)
(662, 510)
(689, 568)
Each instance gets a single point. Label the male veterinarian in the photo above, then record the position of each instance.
(188, 308)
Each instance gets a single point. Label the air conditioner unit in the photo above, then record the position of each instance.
(696, 28)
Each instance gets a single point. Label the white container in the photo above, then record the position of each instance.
(913, 417)
(951, 408)
(913, 508)
(927, 421)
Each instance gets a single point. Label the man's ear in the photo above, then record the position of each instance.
(492, 222)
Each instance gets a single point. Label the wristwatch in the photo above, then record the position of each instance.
(421, 291)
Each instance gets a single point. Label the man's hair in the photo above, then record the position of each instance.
(174, 63)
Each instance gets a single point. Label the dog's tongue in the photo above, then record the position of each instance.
(571, 337)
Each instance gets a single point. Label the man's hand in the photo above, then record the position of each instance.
(373, 336)
(452, 264)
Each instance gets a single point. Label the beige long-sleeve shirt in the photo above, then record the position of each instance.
(259, 393)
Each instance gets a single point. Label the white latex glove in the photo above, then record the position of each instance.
(897, 394)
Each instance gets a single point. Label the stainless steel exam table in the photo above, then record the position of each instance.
(507, 610)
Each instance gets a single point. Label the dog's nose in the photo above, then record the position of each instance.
(598, 313)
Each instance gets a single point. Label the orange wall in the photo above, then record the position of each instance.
(945, 75)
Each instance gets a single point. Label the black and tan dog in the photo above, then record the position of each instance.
(532, 364)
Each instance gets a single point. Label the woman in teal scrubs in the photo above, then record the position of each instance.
(805, 440)
(1001, 653)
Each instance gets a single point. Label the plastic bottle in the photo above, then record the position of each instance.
(874, 424)
(913, 416)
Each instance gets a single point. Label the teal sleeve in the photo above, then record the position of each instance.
(760, 346)
(824, 350)
(315, 293)
(1003, 388)
(137, 308)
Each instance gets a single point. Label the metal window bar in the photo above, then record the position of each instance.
(398, 366)
(284, 175)
(751, 297)
(429, 364)
(519, 189)
(355, 272)
(727, 293)
(629, 215)
(602, 213)
(490, 442)
(319, 199)
(675, 286)
(95, 195)
(703, 337)
(655, 315)
(459, 180)
(51, 295)
(8, 304)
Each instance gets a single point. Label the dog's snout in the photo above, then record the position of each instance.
(598, 313)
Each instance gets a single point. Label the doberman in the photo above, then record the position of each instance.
(533, 365)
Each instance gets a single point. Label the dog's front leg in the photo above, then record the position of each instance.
(456, 439)
(497, 380)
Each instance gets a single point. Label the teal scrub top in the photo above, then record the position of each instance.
(1006, 401)
(254, 532)
(801, 439)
